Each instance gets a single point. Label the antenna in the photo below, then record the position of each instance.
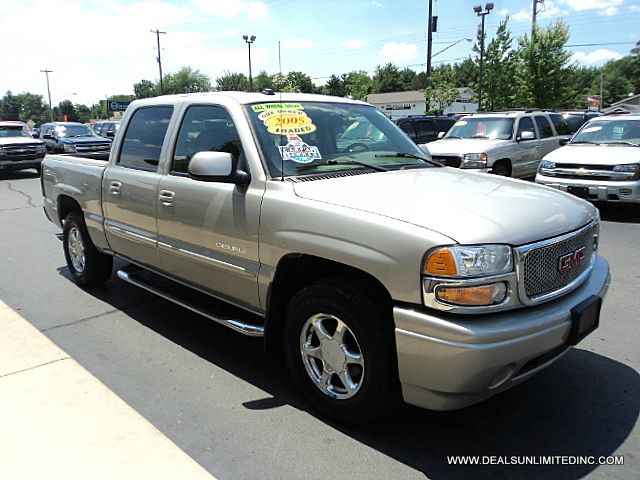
(281, 136)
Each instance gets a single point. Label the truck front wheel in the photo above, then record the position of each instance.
(340, 352)
(87, 266)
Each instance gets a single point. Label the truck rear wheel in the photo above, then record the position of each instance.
(87, 266)
(340, 351)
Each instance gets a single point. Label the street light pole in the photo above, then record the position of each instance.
(47, 72)
(249, 40)
(478, 10)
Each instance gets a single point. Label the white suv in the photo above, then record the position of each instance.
(600, 163)
(504, 143)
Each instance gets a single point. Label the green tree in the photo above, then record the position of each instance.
(232, 82)
(467, 73)
(358, 84)
(65, 111)
(387, 79)
(542, 74)
(440, 91)
(262, 81)
(335, 86)
(186, 80)
(145, 89)
(499, 70)
(299, 82)
(407, 76)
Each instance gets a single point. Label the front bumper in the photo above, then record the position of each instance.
(20, 164)
(598, 190)
(447, 363)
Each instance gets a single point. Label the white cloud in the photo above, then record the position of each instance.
(258, 11)
(596, 57)
(298, 43)
(254, 10)
(634, 8)
(582, 5)
(609, 12)
(354, 43)
(398, 52)
(375, 3)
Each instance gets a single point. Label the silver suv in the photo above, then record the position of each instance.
(504, 143)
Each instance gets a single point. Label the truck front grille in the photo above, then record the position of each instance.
(448, 160)
(590, 172)
(93, 147)
(542, 271)
(20, 152)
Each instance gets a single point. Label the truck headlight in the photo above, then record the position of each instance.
(69, 148)
(474, 160)
(469, 261)
(547, 165)
(629, 168)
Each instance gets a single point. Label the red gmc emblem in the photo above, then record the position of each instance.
(570, 260)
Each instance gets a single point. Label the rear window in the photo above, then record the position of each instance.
(144, 138)
(561, 126)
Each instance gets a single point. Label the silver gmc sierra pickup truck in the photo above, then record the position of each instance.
(377, 273)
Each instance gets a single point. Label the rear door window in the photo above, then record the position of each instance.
(144, 137)
(407, 127)
(525, 125)
(425, 131)
(544, 127)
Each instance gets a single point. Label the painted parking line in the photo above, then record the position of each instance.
(59, 421)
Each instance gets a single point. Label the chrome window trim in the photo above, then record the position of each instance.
(520, 254)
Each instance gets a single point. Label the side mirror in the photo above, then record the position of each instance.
(111, 134)
(48, 136)
(441, 134)
(524, 136)
(563, 141)
(216, 167)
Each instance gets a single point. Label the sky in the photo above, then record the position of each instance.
(100, 48)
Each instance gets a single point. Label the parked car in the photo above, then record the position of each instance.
(423, 129)
(108, 129)
(576, 118)
(504, 143)
(374, 271)
(600, 163)
(18, 149)
(76, 138)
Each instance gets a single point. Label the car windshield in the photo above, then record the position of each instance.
(13, 131)
(74, 131)
(609, 132)
(319, 137)
(482, 127)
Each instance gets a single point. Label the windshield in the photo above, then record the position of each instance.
(74, 131)
(604, 132)
(320, 137)
(13, 131)
(482, 127)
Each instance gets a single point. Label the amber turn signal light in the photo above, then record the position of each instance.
(473, 296)
(441, 262)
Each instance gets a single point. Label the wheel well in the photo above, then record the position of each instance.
(65, 205)
(504, 161)
(296, 271)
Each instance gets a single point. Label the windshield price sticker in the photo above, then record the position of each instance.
(298, 151)
(285, 119)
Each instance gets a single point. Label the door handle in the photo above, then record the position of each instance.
(114, 188)
(166, 198)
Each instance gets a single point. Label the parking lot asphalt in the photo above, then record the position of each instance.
(217, 397)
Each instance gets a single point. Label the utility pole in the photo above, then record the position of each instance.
(429, 38)
(47, 72)
(534, 15)
(158, 32)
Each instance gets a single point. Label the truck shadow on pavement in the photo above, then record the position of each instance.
(18, 174)
(584, 405)
(621, 213)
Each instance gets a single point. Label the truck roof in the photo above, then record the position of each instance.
(245, 98)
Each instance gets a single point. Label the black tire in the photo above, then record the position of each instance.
(501, 169)
(39, 170)
(96, 267)
(369, 330)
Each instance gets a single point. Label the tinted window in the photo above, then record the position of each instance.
(425, 131)
(144, 136)
(407, 127)
(544, 127)
(525, 125)
(205, 128)
(574, 121)
(561, 126)
(443, 125)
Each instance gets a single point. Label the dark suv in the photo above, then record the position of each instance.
(425, 128)
(75, 138)
(108, 129)
(575, 119)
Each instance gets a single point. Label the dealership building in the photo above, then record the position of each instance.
(403, 104)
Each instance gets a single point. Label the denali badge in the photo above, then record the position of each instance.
(570, 260)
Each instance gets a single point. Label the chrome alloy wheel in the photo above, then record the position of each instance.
(76, 249)
(331, 356)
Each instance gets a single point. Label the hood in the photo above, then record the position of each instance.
(78, 140)
(596, 154)
(20, 141)
(460, 146)
(465, 206)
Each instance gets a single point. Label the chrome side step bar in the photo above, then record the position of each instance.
(193, 300)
